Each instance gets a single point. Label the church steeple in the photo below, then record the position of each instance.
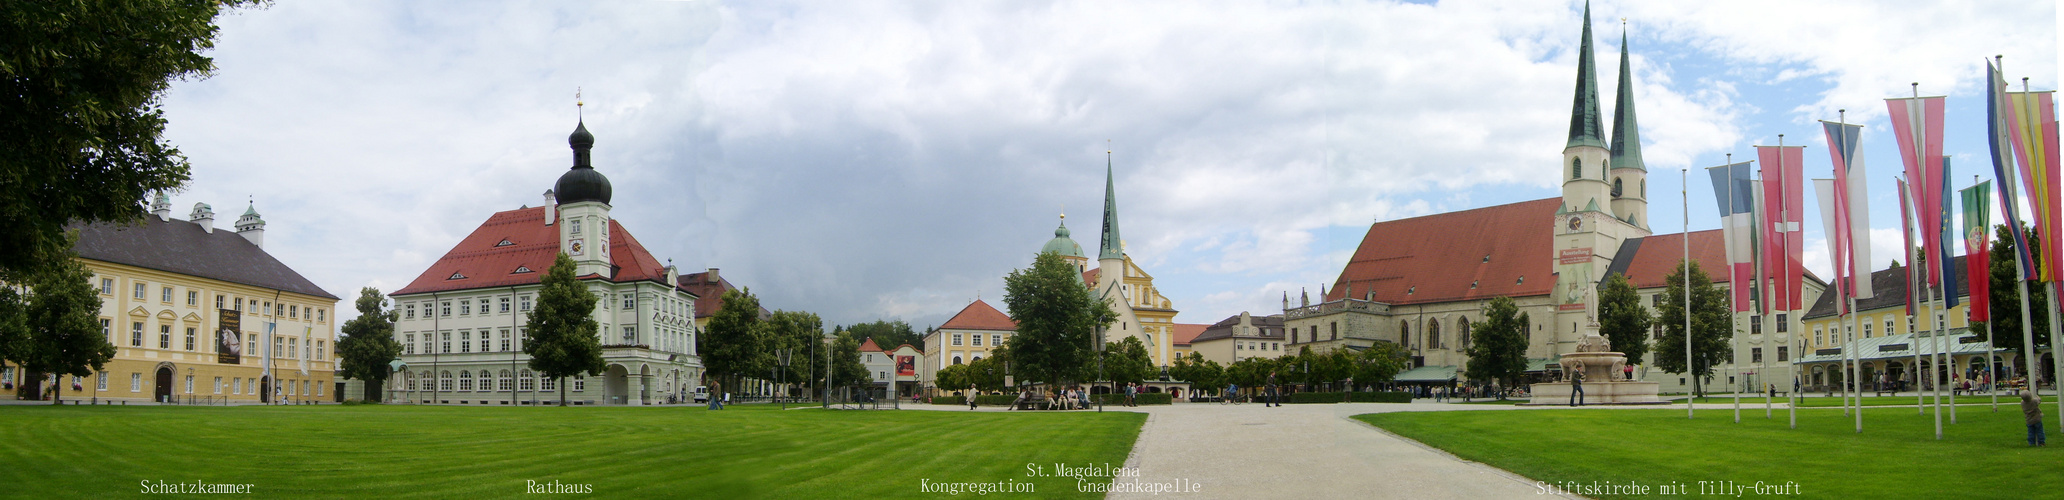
(1626, 137)
(1113, 247)
(1584, 128)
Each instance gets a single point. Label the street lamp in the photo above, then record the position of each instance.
(1099, 346)
(783, 374)
(828, 339)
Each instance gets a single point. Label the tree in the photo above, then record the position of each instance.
(1621, 318)
(368, 344)
(887, 334)
(2006, 295)
(735, 343)
(953, 378)
(845, 364)
(80, 84)
(1056, 315)
(1709, 326)
(1379, 364)
(1127, 362)
(799, 332)
(561, 336)
(1202, 374)
(1498, 353)
(58, 329)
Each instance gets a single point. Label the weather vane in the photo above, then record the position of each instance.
(578, 106)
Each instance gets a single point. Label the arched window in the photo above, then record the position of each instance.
(1618, 186)
(1644, 188)
(1433, 338)
(410, 378)
(956, 360)
(1333, 330)
(1462, 327)
(505, 382)
(445, 384)
(528, 379)
(465, 380)
(1404, 333)
(1576, 168)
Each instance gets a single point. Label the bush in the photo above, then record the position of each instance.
(1357, 397)
(1151, 398)
(356, 402)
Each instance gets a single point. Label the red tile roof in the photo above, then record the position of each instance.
(919, 350)
(869, 345)
(482, 261)
(1660, 255)
(980, 316)
(1436, 258)
(709, 294)
(1090, 276)
(1184, 332)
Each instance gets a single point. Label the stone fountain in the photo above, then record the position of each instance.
(1604, 379)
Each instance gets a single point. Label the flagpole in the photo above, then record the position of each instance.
(1991, 376)
(1691, 370)
(1842, 137)
(1732, 282)
(1784, 226)
(2056, 337)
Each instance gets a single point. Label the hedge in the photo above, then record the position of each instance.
(950, 400)
(1150, 398)
(1357, 397)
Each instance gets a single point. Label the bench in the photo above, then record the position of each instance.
(1036, 402)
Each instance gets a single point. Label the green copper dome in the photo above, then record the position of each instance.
(1062, 244)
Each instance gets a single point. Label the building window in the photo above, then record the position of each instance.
(1888, 326)
(1784, 353)
(1333, 329)
(977, 341)
(239, 304)
(100, 381)
(446, 311)
(189, 384)
(465, 380)
(1755, 355)
(956, 340)
(996, 340)
(1819, 336)
(107, 331)
(1755, 327)
(1786, 326)
(526, 303)
(505, 304)
(236, 385)
(139, 291)
(526, 384)
(193, 298)
(408, 311)
(445, 382)
(294, 348)
(1866, 330)
(1463, 326)
(319, 345)
(1576, 168)
(548, 384)
(505, 340)
(465, 341)
(576, 226)
(444, 342)
(580, 383)
(630, 335)
(107, 286)
(189, 338)
(410, 344)
(465, 307)
(135, 382)
(484, 341)
(320, 315)
(956, 359)
(218, 301)
(630, 301)
(164, 336)
(165, 295)
(294, 311)
(505, 383)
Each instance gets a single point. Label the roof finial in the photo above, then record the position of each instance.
(578, 105)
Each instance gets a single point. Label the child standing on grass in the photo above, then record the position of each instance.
(2031, 407)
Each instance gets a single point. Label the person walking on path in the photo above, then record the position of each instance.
(1131, 392)
(2031, 407)
(716, 400)
(1576, 395)
(1273, 400)
(971, 397)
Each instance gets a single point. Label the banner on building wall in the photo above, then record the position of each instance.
(229, 342)
(906, 366)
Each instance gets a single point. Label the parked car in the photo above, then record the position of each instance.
(701, 394)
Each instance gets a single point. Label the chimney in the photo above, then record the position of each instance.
(551, 207)
(713, 276)
(162, 206)
(203, 215)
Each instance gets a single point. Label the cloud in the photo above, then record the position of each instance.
(881, 160)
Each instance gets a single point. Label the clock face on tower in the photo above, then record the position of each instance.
(1575, 223)
(575, 248)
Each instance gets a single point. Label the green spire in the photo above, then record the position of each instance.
(1113, 247)
(1584, 128)
(1626, 137)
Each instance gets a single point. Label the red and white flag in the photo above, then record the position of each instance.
(1783, 234)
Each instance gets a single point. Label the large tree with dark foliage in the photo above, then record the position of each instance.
(562, 337)
(1621, 319)
(1498, 353)
(54, 329)
(368, 344)
(2005, 287)
(1057, 316)
(1709, 326)
(737, 341)
(80, 123)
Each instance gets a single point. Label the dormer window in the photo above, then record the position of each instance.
(1487, 258)
(521, 270)
(503, 243)
(456, 276)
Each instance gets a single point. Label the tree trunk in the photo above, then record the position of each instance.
(562, 391)
(57, 391)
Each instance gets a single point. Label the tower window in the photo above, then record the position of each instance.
(1576, 168)
(1618, 186)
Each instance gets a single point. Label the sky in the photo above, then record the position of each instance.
(894, 160)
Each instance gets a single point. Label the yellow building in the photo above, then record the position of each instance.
(187, 307)
(1885, 338)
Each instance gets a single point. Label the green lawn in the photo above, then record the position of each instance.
(1984, 456)
(1836, 402)
(747, 451)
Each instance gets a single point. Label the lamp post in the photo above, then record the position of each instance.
(783, 374)
(828, 339)
(1099, 340)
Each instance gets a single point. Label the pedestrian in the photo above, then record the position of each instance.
(1576, 388)
(1129, 391)
(1272, 391)
(971, 397)
(2031, 407)
(1628, 371)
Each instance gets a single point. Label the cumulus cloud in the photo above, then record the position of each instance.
(883, 160)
